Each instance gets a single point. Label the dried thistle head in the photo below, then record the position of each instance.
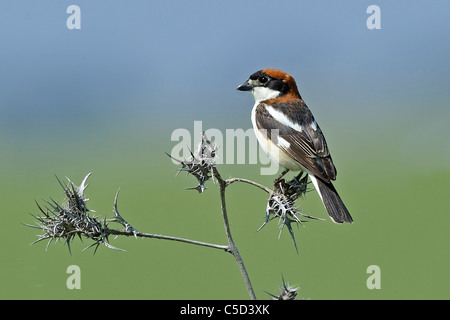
(281, 204)
(286, 292)
(71, 218)
(201, 163)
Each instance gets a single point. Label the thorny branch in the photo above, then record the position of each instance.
(73, 219)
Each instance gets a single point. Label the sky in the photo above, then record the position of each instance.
(156, 62)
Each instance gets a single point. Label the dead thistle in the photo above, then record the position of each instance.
(286, 292)
(72, 218)
(281, 204)
(201, 163)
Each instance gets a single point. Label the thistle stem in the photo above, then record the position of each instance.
(164, 237)
(264, 188)
(231, 245)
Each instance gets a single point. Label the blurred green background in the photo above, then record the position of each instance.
(106, 99)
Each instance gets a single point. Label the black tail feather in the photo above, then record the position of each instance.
(333, 203)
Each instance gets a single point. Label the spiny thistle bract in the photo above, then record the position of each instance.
(201, 163)
(281, 204)
(286, 292)
(72, 218)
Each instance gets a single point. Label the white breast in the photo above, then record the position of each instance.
(273, 150)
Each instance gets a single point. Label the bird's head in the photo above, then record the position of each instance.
(267, 84)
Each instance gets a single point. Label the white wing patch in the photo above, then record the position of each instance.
(279, 116)
(283, 143)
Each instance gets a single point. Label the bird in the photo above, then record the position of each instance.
(287, 131)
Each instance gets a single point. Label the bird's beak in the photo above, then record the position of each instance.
(245, 87)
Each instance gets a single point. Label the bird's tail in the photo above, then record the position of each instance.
(331, 200)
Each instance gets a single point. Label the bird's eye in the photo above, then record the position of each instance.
(263, 79)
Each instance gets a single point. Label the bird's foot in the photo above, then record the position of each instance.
(280, 177)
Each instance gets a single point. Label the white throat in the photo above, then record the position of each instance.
(263, 93)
